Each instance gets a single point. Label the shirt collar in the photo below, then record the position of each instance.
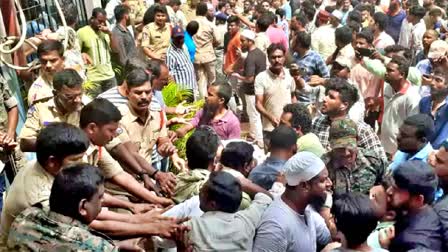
(405, 88)
(423, 153)
(122, 29)
(134, 117)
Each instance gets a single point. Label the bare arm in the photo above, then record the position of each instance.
(259, 100)
(13, 118)
(127, 182)
(148, 52)
(181, 132)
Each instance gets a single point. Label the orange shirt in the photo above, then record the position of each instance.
(231, 54)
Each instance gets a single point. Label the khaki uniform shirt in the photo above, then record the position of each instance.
(156, 39)
(41, 89)
(31, 185)
(44, 113)
(204, 38)
(7, 101)
(144, 134)
(100, 157)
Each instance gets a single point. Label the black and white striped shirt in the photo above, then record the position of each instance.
(180, 67)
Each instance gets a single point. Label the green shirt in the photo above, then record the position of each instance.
(97, 46)
(378, 68)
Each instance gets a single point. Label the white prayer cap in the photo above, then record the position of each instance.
(302, 167)
(337, 14)
(250, 35)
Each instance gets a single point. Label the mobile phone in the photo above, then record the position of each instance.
(298, 71)
(367, 52)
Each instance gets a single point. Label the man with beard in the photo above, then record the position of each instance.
(216, 114)
(289, 224)
(125, 41)
(254, 64)
(51, 60)
(417, 226)
(366, 169)
(436, 106)
(401, 100)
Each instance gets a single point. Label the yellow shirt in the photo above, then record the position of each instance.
(142, 133)
(43, 113)
(156, 39)
(31, 185)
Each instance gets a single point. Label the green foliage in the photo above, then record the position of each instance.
(173, 95)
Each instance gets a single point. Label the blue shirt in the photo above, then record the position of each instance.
(424, 66)
(288, 12)
(401, 157)
(191, 46)
(313, 63)
(394, 25)
(266, 173)
(440, 121)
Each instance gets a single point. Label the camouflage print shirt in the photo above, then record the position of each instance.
(37, 230)
(368, 171)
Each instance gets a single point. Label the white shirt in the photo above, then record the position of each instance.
(323, 41)
(411, 35)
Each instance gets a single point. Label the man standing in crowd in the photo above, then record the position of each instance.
(254, 64)
(125, 41)
(96, 42)
(179, 63)
(156, 35)
(274, 88)
(205, 59)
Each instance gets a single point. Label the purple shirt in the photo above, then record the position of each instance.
(277, 36)
(227, 127)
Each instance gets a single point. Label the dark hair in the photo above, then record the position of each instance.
(160, 9)
(263, 22)
(221, 5)
(156, 69)
(60, 140)
(300, 118)
(137, 62)
(70, 13)
(50, 45)
(301, 19)
(121, 10)
(225, 190)
(281, 12)
(366, 7)
(308, 10)
(365, 34)
(67, 77)
(282, 138)
(381, 20)
(354, 16)
(418, 178)
(175, 2)
(274, 47)
(347, 92)
(402, 63)
(354, 26)
(355, 217)
(201, 9)
(303, 39)
(192, 28)
(73, 184)
(201, 147)
(97, 11)
(233, 19)
(99, 111)
(423, 123)
(407, 53)
(137, 78)
(236, 155)
(344, 35)
(417, 11)
(224, 91)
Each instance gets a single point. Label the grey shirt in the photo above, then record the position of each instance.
(282, 229)
(126, 45)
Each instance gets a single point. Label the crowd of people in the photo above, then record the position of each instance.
(324, 128)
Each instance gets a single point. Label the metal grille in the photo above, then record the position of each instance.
(42, 14)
